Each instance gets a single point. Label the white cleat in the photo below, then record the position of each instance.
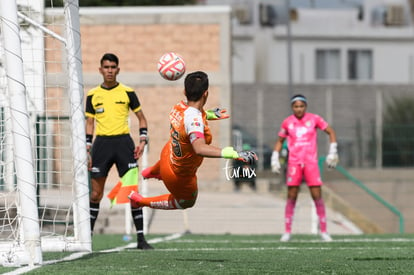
(285, 237)
(326, 237)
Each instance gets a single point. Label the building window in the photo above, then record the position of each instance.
(328, 65)
(359, 64)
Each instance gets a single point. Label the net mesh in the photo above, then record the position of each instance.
(48, 103)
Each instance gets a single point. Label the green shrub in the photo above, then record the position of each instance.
(398, 133)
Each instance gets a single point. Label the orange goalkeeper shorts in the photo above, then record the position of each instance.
(181, 187)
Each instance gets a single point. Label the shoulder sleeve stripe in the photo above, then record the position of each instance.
(89, 108)
(134, 103)
(137, 109)
(89, 115)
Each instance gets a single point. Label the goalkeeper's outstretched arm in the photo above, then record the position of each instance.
(203, 149)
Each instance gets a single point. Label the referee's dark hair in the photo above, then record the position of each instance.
(110, 57)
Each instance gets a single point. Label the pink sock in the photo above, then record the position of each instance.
(320, 211)
(289, 211)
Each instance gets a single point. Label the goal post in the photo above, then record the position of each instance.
(81, 179)
(29, 237)
(44, 183)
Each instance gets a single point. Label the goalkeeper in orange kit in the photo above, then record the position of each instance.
(189, 143)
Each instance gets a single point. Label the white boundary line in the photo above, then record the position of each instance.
(132, 245)
(335, 240)
(78, 255)
(277, 248)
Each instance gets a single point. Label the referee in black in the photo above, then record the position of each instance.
(107, 109)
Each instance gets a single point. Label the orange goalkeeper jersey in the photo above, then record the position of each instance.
(186, 120)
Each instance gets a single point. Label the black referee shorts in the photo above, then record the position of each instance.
(109, 150)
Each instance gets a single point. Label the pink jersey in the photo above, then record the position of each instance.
(301, 135)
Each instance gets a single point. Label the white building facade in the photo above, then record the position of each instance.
(370, 42)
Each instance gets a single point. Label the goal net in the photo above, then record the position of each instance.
(44, 192)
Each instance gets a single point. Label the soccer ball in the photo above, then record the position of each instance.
(171, 66)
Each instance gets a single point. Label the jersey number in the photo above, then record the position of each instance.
(176, 148)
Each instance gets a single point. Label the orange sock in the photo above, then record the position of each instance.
(165, 201)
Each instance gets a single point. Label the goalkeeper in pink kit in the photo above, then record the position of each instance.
(300, 130)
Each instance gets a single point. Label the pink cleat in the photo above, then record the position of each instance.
(135, 198)
(146, 174)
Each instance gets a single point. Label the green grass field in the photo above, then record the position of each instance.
(239, 254)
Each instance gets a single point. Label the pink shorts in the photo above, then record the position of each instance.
(308, 172)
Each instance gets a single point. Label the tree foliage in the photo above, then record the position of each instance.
(398, 132)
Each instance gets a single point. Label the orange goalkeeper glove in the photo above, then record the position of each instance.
(245, 156)
(216, 114)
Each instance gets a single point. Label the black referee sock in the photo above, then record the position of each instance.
(138, 218)
(94, 211)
